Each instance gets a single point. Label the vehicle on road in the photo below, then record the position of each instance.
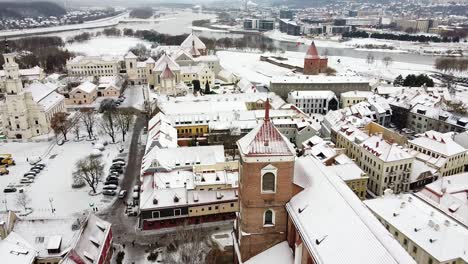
(112, 182)
(112, 178)
(118, 170)
(9, 190)
(32, 177)
(30, 173)
(122, 194)
(35, 170)
(109, 192)
(120, 163)
(118, 159)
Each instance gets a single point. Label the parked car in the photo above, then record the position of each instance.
(26, 180)
(119, 167)
(132, 212)
(9, 190)
(120, 163)
(109, 192)
(118, 170)
(110, 187)
(136, 188)
(40, 165)
(114, 173)
(30, 173)
(122, 194)
(35, 170)
(37, 167)
(111, 182)
(118, 159)
(112, 178)
(32, 177)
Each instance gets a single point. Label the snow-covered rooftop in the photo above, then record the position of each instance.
(87, 87)
(42, 233)
(193, 41)
(356, 94)
(311, 95)
(333, 223)
(437, 234)
(44, 94)
(279, 253)
(441, 143)
(385, 151)
(449, 194)
(15, 250)
(348, 171)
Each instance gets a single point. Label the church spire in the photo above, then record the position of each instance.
(7, 49)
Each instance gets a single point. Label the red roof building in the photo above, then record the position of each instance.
(313, 63)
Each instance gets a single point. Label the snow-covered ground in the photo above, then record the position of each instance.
(52, 186)
(133, 97)
(115, 46)
(248, 65)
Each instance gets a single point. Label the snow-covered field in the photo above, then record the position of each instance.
(115, 46)
(248, 65)
(133, 97)
(52, 186)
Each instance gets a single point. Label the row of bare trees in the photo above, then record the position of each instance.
(112, 121)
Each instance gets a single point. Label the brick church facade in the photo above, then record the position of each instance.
(313, 63)
(267, 168)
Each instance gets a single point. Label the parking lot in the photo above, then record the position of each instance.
(52, 188)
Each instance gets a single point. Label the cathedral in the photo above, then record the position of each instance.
(26, 112)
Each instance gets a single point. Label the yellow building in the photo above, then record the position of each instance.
(354, 177)
(353, 97)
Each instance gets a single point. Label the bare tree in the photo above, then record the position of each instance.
(61, 124)
(370, 59)
(76, 130)
(387, 60)
(123, 118)
(108, 123)
(188, 246)
(88, 116)
(23, 200)
(90, 170)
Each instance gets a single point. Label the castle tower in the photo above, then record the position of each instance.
(266, 175)
(13, 84)
(313, 63)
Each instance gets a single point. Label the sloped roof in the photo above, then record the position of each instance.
(265, 140)
(279, 253)
(193, 40)
(166, 60)
(44, 94)
(334, 224)
(312, 52)
(86, 87)
(130, 55)
(167, 73)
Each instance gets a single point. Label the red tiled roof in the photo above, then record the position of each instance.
(167, 73)
(265, 140)
(312, 52)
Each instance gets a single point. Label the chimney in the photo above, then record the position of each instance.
(267, 110)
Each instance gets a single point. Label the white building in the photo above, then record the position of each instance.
(26, 112)
(93, 66)
(439, 151)
(428, 235)
(313, 102)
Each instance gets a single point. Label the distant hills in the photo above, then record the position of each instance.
(19, 10)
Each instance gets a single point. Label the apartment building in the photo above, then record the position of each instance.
(439, 151)
(388, 165)
(427, 234)
(93, 66)
(313, 102)
(353, 97)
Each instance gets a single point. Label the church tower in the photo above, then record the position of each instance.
(313, 63)
(266, 175)
(13, 84)
(131, 66)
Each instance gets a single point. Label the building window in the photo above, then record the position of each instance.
(155, 214)
(269, 218)
(415, 249)
(268, 182)
(177, 212)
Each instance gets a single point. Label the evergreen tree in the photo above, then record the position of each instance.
(410, 80)
(398, 81)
